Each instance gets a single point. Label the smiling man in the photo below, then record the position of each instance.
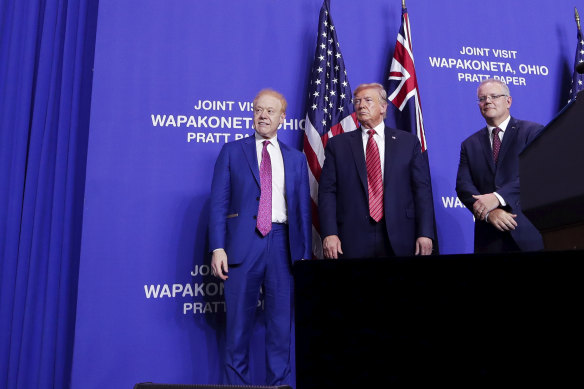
(260, 222)
(375, 198)
(488, 175)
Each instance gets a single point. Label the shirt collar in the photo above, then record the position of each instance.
(502, 126)
(259, 139)
(379, 129)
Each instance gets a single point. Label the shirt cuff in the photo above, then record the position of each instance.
(501, 200)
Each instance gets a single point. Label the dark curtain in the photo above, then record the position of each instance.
(46, 59)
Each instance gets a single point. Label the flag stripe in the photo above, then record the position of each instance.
(329, 107)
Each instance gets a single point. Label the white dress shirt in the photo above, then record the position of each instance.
(502, 127)
(379, 138)
(279, 211)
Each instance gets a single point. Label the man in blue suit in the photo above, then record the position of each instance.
(487, 182)
(375, 196)
(260, 223)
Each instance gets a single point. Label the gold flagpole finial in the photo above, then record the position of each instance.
(577, 17)
(403, 4)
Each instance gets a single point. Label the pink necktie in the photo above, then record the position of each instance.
(496, 144)
(264, 219)
(374, 180)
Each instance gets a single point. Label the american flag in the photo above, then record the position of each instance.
(402, 85)
(329, 108)
(577, 78)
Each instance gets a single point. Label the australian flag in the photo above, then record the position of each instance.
(578, 78)
(404, 109)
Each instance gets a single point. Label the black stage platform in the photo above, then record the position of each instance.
(449, 321)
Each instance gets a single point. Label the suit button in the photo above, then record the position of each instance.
(255, 216)
(257, 198)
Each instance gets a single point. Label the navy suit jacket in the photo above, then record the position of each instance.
(477, 174)
(235, 194)
(344, 200)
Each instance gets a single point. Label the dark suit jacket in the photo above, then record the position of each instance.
(235, 194)
(343, 195)
(477, 174)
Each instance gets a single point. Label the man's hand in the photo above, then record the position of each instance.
(423, 246)
(219, 264)
(484, 204)
(331, 247)
(502, 220)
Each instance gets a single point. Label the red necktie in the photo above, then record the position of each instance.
(264, 219)
(496, 144)
(374, 180)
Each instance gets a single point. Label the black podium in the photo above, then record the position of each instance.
(551, 170)
(463, 321)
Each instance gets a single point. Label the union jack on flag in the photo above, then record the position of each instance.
(402, 85)
(329, 109)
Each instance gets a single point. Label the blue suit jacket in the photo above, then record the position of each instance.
(235, 194)
(343, 194)
(477, 174)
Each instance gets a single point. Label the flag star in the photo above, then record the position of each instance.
(323, 46)
(338, 55)
(331, 104)
(317, 82)
(325, 23)
(321, 57)
(335, 80)
(340, 109)
(337, 67)
(331, 40)
(325, 110)
(345, 83)
(342, 95)
(315, 94)
(333, 93)
(319, 70)
(326, 98)
(324, 34)
(332, 27)
(328, 64)
(579, 82)
(314, 106)
(329, 52)
(323, 122)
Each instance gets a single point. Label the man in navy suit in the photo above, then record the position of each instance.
(375, 196)
(487, 182)
(260, 223)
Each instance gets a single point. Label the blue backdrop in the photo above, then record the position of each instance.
(173, 81)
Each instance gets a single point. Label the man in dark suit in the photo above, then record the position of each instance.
(260, 223)
(375, 196)
(487, 182)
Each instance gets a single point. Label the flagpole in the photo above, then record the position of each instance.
(403, 4)
(576, 16)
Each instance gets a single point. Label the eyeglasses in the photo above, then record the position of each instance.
(482, 99)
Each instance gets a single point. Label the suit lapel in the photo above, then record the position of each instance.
(359, 156)
(249, 149)
(390, 145)
(487, 149)
(508, 138)
(288, 166)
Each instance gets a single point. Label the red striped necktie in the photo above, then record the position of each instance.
(374, 179)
